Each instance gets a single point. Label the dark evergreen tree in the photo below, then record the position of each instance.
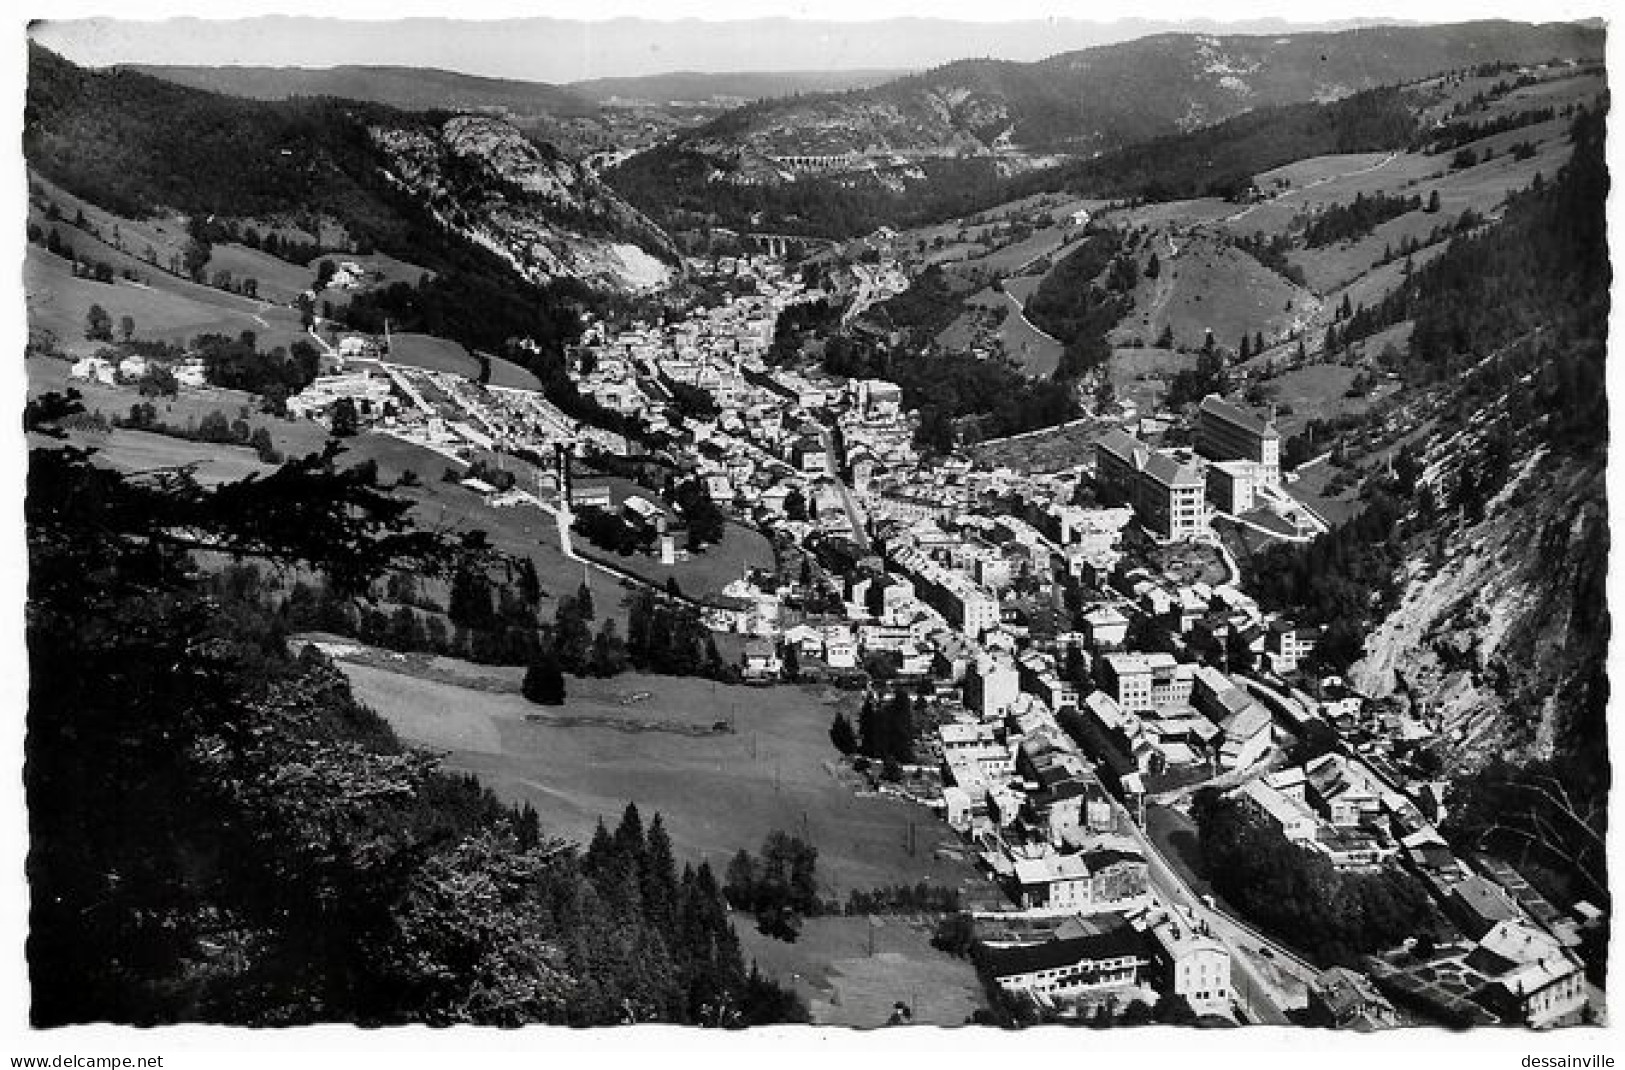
(841, 734)
(345, 418)
(544, 680)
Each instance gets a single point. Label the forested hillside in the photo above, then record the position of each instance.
(220, 833)
(411, 88)
(1477, 570)
(532, 242)
(1175, 115)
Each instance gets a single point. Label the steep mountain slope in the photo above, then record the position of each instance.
(133, 143)
(544, 214)
(1102, 98)
(1499, 625)
(1498, 632)
(407, 88)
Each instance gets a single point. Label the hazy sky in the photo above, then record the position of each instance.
(600, 39)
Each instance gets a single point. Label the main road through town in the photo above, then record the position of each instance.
(1268, 980)
(832, 467)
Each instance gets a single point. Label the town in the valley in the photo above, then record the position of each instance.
(1124, 588)
(1057, 632)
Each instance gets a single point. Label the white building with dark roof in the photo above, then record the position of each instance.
(1191, 962)
(1167, 493)
(1227, 432)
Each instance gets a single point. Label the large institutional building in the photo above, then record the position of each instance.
(1238, 455)
(1228, 432)
(1165, 492)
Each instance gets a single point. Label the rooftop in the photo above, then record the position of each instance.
(1234, 414)
(1124, 446)
(1117, 943)
(1172, 473)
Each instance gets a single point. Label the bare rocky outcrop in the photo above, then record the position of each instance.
(1495, 636)
(539, 210)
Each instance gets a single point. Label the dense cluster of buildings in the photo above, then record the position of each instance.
(1053, 722)
(1117, 958)
(1050, 834)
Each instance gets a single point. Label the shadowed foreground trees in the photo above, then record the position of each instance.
(220, 833)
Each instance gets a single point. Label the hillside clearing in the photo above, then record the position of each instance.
(165, 308)
(719, 792)
(832, 968)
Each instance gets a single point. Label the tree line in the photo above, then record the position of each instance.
(1348, 222)
(1073, 305)
(886, 729)
(1296, 893)
(215, 427)
(1456, 133)
(779, 885)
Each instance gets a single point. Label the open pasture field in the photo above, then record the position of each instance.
(442, 354)
(1174, 214)
(1482, 188)
(1037, 353)
(1314, 170)
(654, 740)
(432, 353)
(1204, 285)
(164, 233)
(166, 308)
(507, 373)
(1139, 362)
(832, 968)
(965, 331)
(279, 280)
(1034, 351)
(1321, 181)
(143, 451)
(955, 254)
(1555, 89)
(388, 268)
(1317, 392)
(1048, 241)
(1022, 287)
(1312, 486)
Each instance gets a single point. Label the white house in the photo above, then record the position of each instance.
(95, 369)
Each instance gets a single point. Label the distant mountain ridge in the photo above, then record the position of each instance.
(407, 88)
(1106, 97)
(737, 85)
(434, 88)
(564, 51)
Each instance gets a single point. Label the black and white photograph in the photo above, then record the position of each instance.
(898, 527)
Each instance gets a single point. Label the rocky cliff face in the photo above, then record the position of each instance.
(1500, 632)
(543, 213)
